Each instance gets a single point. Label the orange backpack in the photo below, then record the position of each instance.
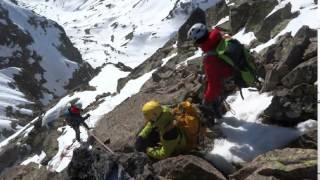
(188, 119)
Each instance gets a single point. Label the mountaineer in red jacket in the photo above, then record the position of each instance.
(216, 71)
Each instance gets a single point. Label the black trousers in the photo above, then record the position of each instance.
(77, 130)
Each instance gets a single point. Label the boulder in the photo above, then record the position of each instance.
(273, 24)
(249, 13)
(216, 13)
(291, 106)
(186, 167)
(305, 72)
(87, 164)
(306, 141)
(134, 163)
(31, 171)
(289, 163)
(293, 55)
(312, 49)
(285, 55)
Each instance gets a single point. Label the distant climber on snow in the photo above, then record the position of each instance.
(165, 134)
(227, 65)
(74, 118)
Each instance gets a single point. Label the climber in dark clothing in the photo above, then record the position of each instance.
(74, 119)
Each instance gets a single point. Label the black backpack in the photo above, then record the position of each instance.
(233, 53)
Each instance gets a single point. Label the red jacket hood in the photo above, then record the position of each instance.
(212, 41)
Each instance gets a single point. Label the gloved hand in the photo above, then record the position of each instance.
(140, 144)
(88, 115)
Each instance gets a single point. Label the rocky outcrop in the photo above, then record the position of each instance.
(31, 171)
(216, 13)
(293, 75)
(248, 13)
(186, 167)
(34, 142)
(273, 24)
(281, 164)
(87, 164)
(306, 141)
(148, 65)
(11, 154)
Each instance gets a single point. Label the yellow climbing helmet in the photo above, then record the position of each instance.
(151, 110)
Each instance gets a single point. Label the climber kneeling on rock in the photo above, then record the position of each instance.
(167, 131)
(74, 118)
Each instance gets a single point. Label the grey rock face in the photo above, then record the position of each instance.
(287, 163)
(186, 167)
(287, 54)
(306, 141)
(305, 72)
(249, 13)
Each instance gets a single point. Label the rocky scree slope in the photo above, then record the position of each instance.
(38, 64)
(177, 79)
(288, 67)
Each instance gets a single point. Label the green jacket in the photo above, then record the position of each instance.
(173, 140)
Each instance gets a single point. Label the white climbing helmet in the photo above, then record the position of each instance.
(197, 31)
(78, 105)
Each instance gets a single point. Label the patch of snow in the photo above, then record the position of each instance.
(197, 54)
(35, 159)
(66, 146)
(20, 132)
(25, 111)
(222, 21)
(7, 51)
(46, 98)
(3, 22)
(250, 107)
(166, 59)
(10, 97)
(38, 77)
(306, 126)
(245, 136)
(244, 38)
(107, 79)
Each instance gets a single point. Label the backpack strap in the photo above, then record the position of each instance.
(219, 52)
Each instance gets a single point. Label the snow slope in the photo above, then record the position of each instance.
(246, 137)
(45, 42)
(10, 96)
(117, 31)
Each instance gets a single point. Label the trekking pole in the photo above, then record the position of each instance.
(100, 142)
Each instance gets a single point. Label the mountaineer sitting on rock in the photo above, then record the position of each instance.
(74, 118)
(167, 132)
(227, 65)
